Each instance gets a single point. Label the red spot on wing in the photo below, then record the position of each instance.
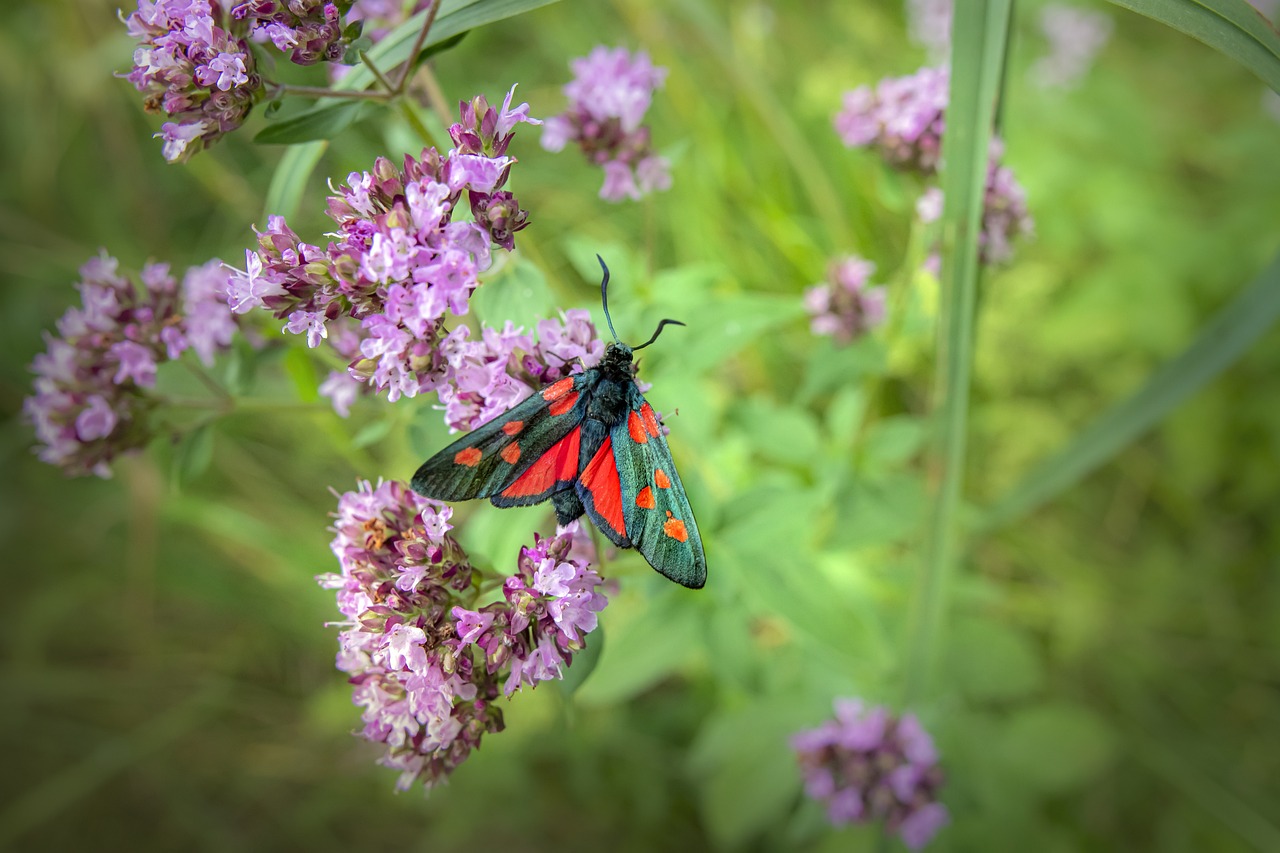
(512, 427)
(469, 457)
(636, 427)
(564, 404)
(600, 478)
(644, 499)
(511, 453)
(660, 477)
(675, 528)
(650, 420)
(554, 392)
(558, 465)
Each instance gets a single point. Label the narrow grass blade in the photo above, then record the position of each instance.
(979, 39)
(1223, 339)
(1231, 27)
(289, 181)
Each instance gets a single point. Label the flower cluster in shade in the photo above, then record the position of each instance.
(194, 62)
(426, 664)
(399, 264)
(94, 380)
(844, 306)
(1075, 37)
(608, 98)
(868, 765)
(903, 118)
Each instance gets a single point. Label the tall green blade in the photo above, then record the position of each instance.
(1232, 27)
(979, 40)
(1222, 340)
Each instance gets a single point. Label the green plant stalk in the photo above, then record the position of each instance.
(1220, 343)
(979, 39)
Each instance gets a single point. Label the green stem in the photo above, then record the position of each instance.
(322, 92)
(410, 116)
(979, 39)
(417, 46)
(391, 91)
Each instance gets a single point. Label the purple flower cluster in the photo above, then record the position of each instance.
(426, 668)
(868, 765)
(904, 119)
(486, 377)
(844, 307)
(309, 31)
(608, 97)
(399, 263)
(91, 398)
(194, 65)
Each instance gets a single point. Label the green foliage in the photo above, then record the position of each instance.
(1105, 637)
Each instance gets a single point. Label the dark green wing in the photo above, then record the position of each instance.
(493, 458)
(659, 520)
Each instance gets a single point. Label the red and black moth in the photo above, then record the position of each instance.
(592, 444)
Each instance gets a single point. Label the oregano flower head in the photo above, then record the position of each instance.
(426, 668)
(608, 98)
(93, 387)
(868, 764)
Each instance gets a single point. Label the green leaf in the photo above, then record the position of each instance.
(747, 770)
(320, 123)
(584, 662)
(519, 294)
(728, 325)
(1055, 747)
(780, 433)
(194, 455)
(1223, 339)
(289, 181)
(979, 39)
(1231, 27)
(372, 433)
(653, 645)
(990, 661)
(302, 372)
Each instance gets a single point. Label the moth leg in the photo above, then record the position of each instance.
(568, 505)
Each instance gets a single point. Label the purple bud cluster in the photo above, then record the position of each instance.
(490, 375)
(844, 307)
(308, 31)
(867, 764)
(608, 97)
(91, 399)
(904, 119)
(195, 66)
(425, 667)
(399, 263)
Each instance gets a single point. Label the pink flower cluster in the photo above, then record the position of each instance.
(399, 263)
(904, 119)
(867, 764)
(91, 398)
(194, 63)
(195, 66)
(608, 98)
(308, 31)
(844, 307)
(426, 668)
(486, 377)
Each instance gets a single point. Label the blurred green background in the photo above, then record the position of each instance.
(1108, 675)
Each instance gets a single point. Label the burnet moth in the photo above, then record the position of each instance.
(592, 444)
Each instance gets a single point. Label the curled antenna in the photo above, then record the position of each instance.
(604, 297)
(604, 300)
(658, 331)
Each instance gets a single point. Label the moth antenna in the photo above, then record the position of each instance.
(604, 297)
(657, 332)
